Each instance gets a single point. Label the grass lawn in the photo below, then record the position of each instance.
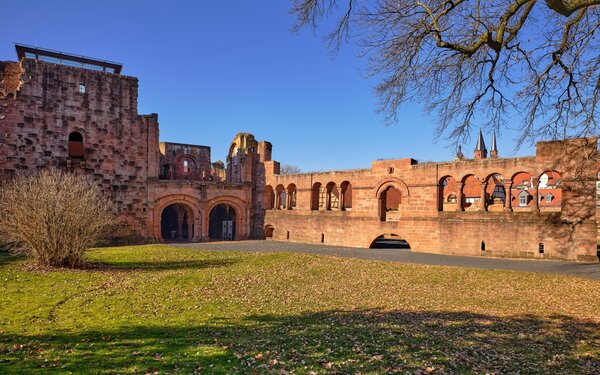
(158, 309)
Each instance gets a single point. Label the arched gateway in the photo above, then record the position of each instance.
(176, 223)
(221, 224)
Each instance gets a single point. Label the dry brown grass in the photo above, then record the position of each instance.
(53, 217)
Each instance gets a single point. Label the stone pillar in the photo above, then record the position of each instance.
(342, 201)
(190, 230)
(534, 193)
(459, 197)
(288, 198)
(328, 199)
(508, 196)
(482, 200)
(197, 235)
(277, 200)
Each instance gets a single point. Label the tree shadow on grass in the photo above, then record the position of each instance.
(328, 342)
(8, 258)
(159, 265)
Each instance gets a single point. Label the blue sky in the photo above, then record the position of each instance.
(211, 69)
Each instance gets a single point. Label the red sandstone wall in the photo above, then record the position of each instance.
(200, 198)
(173, 156)
(568, 234)
(120, 145)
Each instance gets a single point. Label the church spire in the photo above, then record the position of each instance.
(459, 155)
(494, 150)
(480, 150)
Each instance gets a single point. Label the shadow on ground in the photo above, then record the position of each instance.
(328, 342)
(7, 258)
(159, 265)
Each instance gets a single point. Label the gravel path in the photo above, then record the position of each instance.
(590, 270)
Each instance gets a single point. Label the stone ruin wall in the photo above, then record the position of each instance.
(121, 147)
(570, 233)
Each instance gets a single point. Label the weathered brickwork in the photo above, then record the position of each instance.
(86, 121)
(37, 122)
(412, 201)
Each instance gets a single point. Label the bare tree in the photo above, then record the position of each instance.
(479, 62)
(289, 169)
(53, 217)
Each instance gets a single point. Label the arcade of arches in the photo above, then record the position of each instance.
(541, 206)
(505, 207)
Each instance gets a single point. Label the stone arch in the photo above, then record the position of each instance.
(395, 182)
(280, 197)
(550, 191)
(192, 207)
(176, 223)
(221, 222)
(389, 241)
(523, 192)
(470, 193)
(495, 192)
(186, 167)
(316, 201)
(232, 150)
(269, 199)
(241, 216)
(291, 196)
(332, 198)
(390, 194)
(76, 149)
(447, 193)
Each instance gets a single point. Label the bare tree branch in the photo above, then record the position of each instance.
(478, 62)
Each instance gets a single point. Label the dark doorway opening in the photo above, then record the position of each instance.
(390, 241)
(175, 223)
(222, 223)
(269, 229)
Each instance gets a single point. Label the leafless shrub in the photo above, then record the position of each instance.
(53, 217)
(289, 169)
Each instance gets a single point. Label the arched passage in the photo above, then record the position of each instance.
(550, 191)
(221, 222)
(471, 193)
(346, 196)
(176, 223)
(389, 241)
(389, 206)
(269, 199)
(448, 194)
(495, 193)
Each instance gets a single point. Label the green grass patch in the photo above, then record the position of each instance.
(159, 309)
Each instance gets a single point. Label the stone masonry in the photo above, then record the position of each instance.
(85, 121)
(427, 204)
(80, 114)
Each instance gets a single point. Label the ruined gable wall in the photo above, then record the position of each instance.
(121, 147)
(174, 154)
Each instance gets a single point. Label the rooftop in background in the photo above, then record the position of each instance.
(57, 57)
